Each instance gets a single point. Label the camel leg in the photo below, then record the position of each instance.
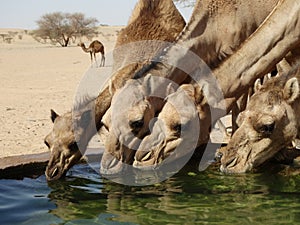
(95, 58)
(102, 60)
(91, 54)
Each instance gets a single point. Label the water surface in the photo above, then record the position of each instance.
(189, 197)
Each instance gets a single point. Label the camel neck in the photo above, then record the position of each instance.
(262, 51)
(85, 49)
(102, 104)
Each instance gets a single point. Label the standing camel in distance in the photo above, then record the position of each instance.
(95, 47)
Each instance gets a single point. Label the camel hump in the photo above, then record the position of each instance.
(161, 9)
(98, 44)
(149, 5)
(157, 4)
(154, 20)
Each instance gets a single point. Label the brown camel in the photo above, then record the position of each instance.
(156, 20)
(270, 123)
(95, 47)
(198, 37)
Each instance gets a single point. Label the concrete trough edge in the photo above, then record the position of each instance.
(20, 166)
(34, 165)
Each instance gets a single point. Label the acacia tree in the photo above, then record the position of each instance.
(61, 27)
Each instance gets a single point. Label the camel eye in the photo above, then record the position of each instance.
(73, 146)
(267, 128)
(177, 128)
(136, 124)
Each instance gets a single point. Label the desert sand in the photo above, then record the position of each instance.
(35, 78)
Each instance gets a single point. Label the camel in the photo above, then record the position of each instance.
(68, 144)
(269, 124)
(199, 37)
(254, 59)
(95, 47)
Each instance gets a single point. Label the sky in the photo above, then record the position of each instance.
(24, 13)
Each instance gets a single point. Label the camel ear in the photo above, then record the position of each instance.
(189, 90)
(257, 85)
(54, 115)
(195, 92)
(199, 95)
(283, 67)
(291, 90)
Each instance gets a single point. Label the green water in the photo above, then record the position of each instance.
(189, 197)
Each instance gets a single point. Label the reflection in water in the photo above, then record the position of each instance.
(190, 197)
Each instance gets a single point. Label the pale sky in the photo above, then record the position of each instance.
(24, 13)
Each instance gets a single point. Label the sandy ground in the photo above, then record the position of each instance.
(34, 79)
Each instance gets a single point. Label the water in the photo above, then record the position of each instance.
(190, 197)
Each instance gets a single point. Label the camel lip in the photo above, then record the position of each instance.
(146, 163)
(228, 166)
(141, 166)
(232, 167)
(54, 173)
(141, 156)
(114, 167)
(228, 171)
(146, 160)
(118, 169)
(158, 156)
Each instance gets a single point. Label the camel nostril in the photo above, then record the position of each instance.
(54, 172)
(218, 156)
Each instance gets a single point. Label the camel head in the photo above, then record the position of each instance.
(65, 140)
(268, 124)
(132, 109)
(83, 47)
(81, 44)
(176, 132)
